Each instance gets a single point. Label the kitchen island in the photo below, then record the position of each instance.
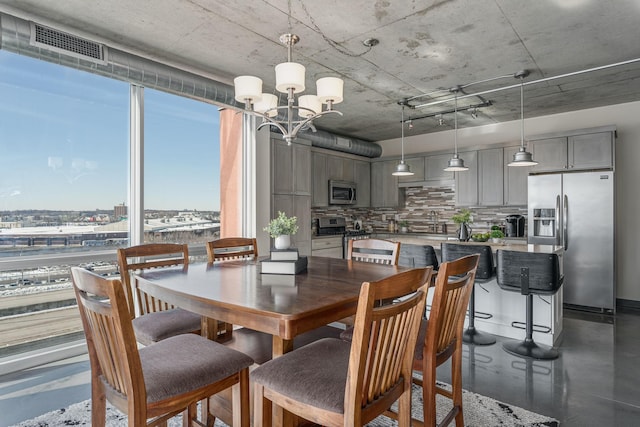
(504, 307)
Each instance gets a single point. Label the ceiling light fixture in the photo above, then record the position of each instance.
(402, 169)
(456, 164)
(290, 79)
(522, 157)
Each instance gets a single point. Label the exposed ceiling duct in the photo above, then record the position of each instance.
(17, 36)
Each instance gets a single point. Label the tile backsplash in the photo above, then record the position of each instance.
(427, 209)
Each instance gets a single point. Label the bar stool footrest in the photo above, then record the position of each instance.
(536, 328)
(482, 316)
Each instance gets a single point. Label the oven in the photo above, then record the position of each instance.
(352, 235)
(337, 226)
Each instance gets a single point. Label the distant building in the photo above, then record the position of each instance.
(119, 212)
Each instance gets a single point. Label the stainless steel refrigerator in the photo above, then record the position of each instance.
(576, 210)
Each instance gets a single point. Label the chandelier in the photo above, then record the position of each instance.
(290, 79)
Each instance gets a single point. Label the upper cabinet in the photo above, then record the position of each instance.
(434, 168)
(591, 150)
(515, 180)
(291, 172)
(326, 167)
(490, 177)
(467, 181)
(385, 186)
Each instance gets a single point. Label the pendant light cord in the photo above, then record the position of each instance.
(455, 121)
(402, 134)
(522, 112)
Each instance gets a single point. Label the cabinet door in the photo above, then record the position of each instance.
(340, 168)
(467, 181)
(301, 169)
(362, 172)
(551, 154)
(320, 193)
(416, 165)
(282, 162)
(299, 206)
(591, 151)
(434, 168)
(515, 180)
(490, 177)
(385, 186)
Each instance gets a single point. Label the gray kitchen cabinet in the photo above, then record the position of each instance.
(291, 171)
(434, 168)
(416, 165)
(591, 150)
(300, 207)
(320, 191)
(362, 173)
(385, 191)
(515, 180)
(340, 168)
(467, 181)
(330, 247)
(550, 153)
(490, 177)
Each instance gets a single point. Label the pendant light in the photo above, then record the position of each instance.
(522, 157)
(402, 169)
(456, 164)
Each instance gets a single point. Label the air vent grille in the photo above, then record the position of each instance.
(59, 41)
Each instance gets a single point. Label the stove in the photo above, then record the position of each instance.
(337, 226)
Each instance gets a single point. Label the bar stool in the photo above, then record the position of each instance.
(530, 274)
(415, 256)
(485, 273)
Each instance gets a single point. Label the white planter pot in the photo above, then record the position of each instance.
(283, 242)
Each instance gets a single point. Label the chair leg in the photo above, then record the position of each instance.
(528, 348)
(456, 384)
(429, 392)
(404, 409)
(262, 407)
(471, 335)
(98, 403)
(240, 393)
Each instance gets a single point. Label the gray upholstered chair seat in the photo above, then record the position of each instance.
(159, 325)
(182, 363)
(314, 374)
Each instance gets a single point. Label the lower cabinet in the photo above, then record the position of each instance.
(330, 247)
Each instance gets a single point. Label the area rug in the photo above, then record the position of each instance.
(479, 411)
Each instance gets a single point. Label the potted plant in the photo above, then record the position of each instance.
(496, 235)
(463, 218)
(404, 226)
(281, 229)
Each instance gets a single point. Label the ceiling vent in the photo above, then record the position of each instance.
(58, 41)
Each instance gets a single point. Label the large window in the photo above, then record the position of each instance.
(182, 168)
(64, 144)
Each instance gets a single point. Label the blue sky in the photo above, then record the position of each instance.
(64, 142)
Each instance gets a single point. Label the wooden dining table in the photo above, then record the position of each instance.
(283, 306)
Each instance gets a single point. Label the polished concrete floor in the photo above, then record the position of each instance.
(594, 382)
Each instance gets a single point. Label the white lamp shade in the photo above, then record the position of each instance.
(312, 103)
(267, 105)
(290, 75)
(330, 89)
(247, 88)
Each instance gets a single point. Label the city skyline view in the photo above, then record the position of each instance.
(64, 138)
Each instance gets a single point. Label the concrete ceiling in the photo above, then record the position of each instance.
(425, 47)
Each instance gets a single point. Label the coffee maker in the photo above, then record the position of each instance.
(514, 226)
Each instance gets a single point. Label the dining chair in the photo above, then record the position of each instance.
(333, 382)
(157, 382)
(374, 250)
(440, 337)
(153, 319)
(227, 249)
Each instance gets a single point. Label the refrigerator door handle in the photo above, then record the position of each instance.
(565, 220)
(557, 220)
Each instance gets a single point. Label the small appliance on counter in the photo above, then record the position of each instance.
(514, 226)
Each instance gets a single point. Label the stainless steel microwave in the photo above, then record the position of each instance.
(342, 193)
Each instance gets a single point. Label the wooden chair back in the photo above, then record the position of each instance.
(383, 344)
(232, 248)
(111, 342)
(374, 250)
(443, 339)
(146, 256)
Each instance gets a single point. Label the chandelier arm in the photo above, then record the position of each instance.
(303, 123)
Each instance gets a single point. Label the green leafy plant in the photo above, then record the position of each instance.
(282, 225)
(462, 217)
(497, 234)
(403, 223)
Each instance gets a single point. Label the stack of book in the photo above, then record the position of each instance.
(284, 261)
